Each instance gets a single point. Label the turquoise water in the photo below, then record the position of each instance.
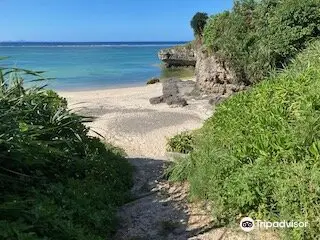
(78, 66)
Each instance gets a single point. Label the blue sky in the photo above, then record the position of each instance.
(102, 20)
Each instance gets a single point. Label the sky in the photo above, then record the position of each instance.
(102, 20)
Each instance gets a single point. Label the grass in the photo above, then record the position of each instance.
(57, 182)
(258, 155)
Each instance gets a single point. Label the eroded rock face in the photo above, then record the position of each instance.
(214, 76)
(178, 57)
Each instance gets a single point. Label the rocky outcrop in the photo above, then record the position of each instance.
(174, 92)
(214, 76)
(153, 81)
(180, 56)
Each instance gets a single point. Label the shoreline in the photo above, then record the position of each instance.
(120, 86)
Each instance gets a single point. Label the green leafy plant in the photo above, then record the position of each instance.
(181, 143)
(56, 181)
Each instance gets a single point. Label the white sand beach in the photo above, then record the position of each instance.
(127, 119)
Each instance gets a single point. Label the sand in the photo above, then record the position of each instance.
(125, 117)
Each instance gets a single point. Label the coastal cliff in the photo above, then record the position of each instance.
(213, 75)
(179, 56)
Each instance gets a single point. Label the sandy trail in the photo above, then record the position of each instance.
(159, 209)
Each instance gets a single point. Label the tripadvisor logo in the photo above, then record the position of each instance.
(247, 224)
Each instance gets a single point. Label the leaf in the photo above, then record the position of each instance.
(314, 149)
(23, 127)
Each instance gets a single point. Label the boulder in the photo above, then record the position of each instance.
(186, 88)
(176, 101)
(156, 100)
(153, 81)
(171, 94)
(170, 88)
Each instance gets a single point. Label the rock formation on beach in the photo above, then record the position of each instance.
(174, 92)
(213, 76)
(153, 81)
(180, 56)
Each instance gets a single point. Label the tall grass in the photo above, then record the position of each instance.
(258, 155)
(56, 181)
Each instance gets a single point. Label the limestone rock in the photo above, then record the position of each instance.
(176, 101)
(214, 76)
(179, 56)
(153, 81)
(156, 100)
(173, 93)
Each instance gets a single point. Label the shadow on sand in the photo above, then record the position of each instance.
(158, 209)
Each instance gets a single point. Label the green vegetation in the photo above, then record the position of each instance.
(258, 155)
(57, 182)
(198, 22)
(181, 143)
(259, 36)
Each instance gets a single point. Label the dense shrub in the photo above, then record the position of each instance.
(56, 181)
(181, 143)
(258, 36)
(258, 155)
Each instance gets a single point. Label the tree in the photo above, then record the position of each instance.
(198, 22)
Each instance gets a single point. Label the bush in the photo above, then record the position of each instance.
(56, 181)
(258, 155)
(181, 143)
(259, 36)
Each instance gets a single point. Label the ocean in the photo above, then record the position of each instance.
(87, 66)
